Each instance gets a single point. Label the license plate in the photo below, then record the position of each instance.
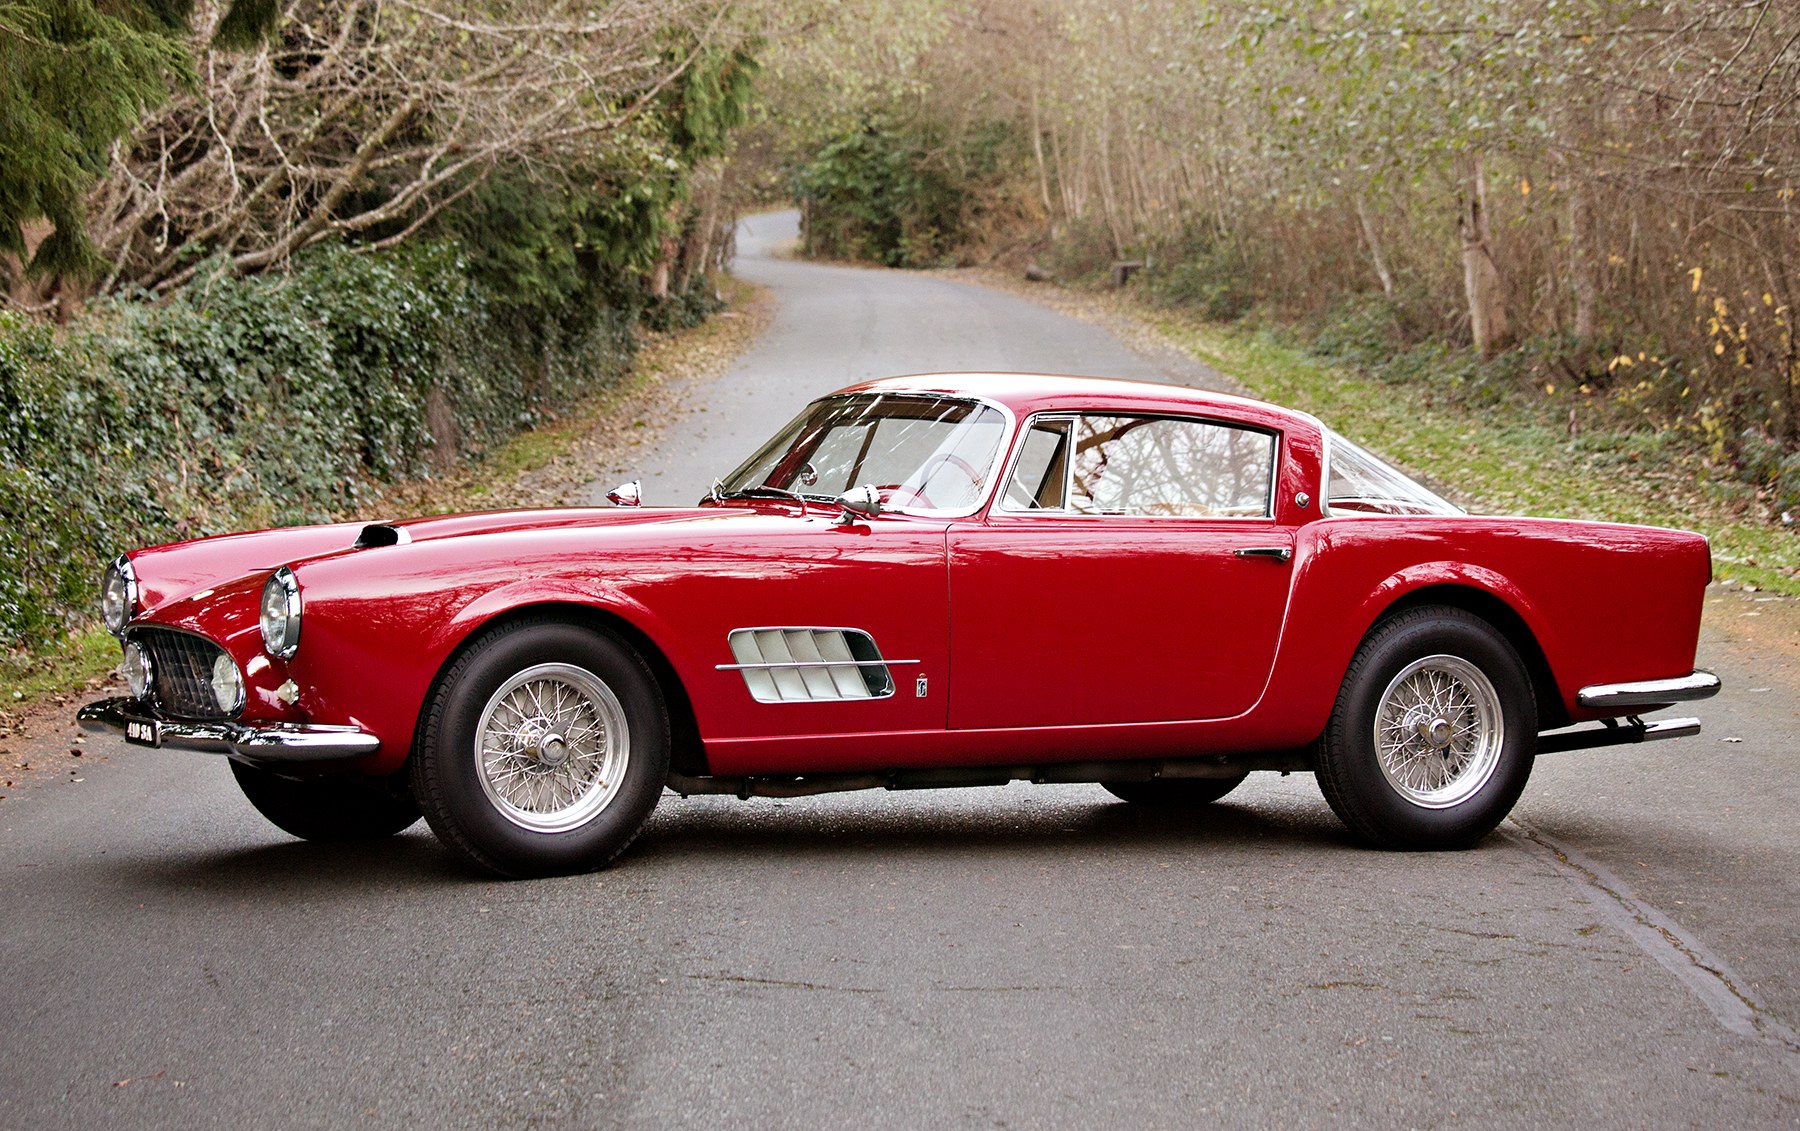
(142, 732)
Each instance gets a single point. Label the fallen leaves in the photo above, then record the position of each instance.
(134, 1079)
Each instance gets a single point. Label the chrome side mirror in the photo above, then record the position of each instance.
(627, 494)
(864, 500)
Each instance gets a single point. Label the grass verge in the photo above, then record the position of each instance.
(1507, 459)
(75, 663)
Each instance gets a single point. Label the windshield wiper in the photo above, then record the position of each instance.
(759, 491)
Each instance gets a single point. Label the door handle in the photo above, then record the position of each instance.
(1278, 553)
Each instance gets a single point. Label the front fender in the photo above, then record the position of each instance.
(369, 659)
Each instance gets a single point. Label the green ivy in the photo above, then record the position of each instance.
(264, 401)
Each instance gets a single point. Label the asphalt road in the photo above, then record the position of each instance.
(1621, 955)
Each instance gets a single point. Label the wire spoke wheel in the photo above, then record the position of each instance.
(1433, 734)
(1439, 731)
(552, 747)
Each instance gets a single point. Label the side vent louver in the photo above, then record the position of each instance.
(810, 665)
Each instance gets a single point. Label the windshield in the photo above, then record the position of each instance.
(922, 453)
(1361, 484)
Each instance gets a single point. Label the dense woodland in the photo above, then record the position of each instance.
(259, 256)
(1597, 194)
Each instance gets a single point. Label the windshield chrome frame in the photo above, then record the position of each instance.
(1009, 431)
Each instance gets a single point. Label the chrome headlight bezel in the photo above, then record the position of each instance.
(279, 614)
(118, 595)
(136, 667)
(227, 684)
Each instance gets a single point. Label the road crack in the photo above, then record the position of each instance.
(776, 983)
(1691, 961)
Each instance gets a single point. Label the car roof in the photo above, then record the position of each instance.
(1027, 393)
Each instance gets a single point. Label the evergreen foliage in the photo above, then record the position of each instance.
(901, 195)
(712, 100)
(74, 76)
(264, 401)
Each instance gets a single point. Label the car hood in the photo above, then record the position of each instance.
(171, 573)
(499, 522)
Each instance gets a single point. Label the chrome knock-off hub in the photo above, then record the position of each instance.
(538, 741)
(1433, 730)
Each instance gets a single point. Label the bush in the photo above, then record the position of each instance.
(1773, 468)
(901, 196)
(266, 401)
(1080, 252)
(1205, 273)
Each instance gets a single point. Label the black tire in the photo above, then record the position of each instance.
(326, 808)
(1461, 732)
(541, 802)
(1172, 792)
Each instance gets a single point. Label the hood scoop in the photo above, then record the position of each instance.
(381, 534)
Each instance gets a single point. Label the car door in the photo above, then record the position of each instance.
(1130, 571)
(792, 630)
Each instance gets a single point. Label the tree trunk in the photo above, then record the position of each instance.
(1037, 151)
(708, 196)
(1583, 257)
(1368, 231)
(1481, 278)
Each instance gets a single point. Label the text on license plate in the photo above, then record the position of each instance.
(143, 733)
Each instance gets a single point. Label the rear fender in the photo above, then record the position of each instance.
(1457, 574)
(1496, 600)
(1310, 666)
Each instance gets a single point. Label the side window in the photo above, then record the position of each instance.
(1157, 466)
(1041, 471)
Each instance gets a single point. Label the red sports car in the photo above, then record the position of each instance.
(941, 580)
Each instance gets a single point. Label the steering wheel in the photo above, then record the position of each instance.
(925, 474)
(917, 495)
(961, 464)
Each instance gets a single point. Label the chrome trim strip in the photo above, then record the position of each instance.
(272, 742)
(1650, 692)
(813, 664)
(837, 676)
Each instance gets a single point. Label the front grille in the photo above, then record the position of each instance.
(181, 672)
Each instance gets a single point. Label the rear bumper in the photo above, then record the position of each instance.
(142, 725)
(1649, 693)
(1630, 699)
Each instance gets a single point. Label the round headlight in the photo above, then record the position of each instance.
(281, 614)
(137, 669)
(118, 595)
(227, 684)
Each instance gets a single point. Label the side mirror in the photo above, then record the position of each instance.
(627, 494)
(864, 500)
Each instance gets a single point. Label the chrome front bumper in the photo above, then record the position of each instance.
(1649, 692)
(140, 725)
